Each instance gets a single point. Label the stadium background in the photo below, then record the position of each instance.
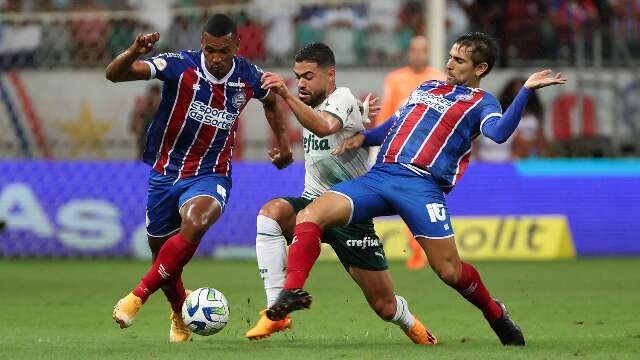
(71, 185)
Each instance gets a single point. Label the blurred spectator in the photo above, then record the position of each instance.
(572, 19)
(526, 29)
(55, 48)
(343, 33)
(457, 21)
(144, 110)
(184, 33)
(251, 34)
(277, 18)
(18, 43)
(626, 23)
(122, 34)
(527, 141)
(381, 40)
(306, 31)
(399, 84)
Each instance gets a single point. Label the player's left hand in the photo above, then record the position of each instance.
(274, 82)
(351, 143)
(370, 108)
(280, 160)
(544, 78)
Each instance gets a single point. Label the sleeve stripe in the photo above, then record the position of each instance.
(152, 69)
(499, 115)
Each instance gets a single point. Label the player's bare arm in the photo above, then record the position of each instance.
(281, 156)
(320, 123)
(126, 67)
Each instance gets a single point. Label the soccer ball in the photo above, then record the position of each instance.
(205, 311)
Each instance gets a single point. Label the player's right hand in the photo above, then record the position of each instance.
(354, 142)
(143, 43)
(275, 82)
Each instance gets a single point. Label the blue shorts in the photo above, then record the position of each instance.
(166, 196)
(392, 189)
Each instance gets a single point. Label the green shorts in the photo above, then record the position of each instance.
(356, 245)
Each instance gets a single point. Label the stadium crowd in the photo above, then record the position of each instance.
(88, 33)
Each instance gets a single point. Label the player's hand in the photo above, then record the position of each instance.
(370, 108)
(351, 143)
(544, 78)
(143, 43)
(275, 82)
(279, 159)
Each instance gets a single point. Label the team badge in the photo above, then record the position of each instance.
(464, 97)
(239, 99)
(160, 63)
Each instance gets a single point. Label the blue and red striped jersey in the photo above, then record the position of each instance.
(434, 129)
(194, 129)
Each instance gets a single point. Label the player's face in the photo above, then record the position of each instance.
(218, 52)
(313, 82)
(460, 68)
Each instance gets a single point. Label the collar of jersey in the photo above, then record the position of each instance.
(210, 76)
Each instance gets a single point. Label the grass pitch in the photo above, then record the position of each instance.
(574, 309)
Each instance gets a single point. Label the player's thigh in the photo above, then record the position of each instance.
(203, 200)
(357, 245)
(283, 211)
(421, 204)
(349, 202)
(162, 215)
(443, 256)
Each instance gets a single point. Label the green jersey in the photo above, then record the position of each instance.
(322, 169)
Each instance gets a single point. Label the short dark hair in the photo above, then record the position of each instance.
(318, 53)
(220, 25)
(483, 49)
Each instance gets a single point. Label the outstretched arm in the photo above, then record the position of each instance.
(281, 156)
(320, 123)
(499, 127)
(126, 67)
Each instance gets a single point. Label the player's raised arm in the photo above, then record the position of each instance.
(499, 127)
(126, 67)
(281, 156)
(320, 123)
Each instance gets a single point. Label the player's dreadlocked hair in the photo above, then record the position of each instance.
(220, 25)
(318, 53)
(483, 49)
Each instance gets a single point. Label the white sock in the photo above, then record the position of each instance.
(271, 251)
(403, 316)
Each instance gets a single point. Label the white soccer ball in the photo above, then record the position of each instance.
(205, 311)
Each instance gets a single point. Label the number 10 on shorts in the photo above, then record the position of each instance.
(437, 212)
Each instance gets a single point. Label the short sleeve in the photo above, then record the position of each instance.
(341, 104)
(490, 108)
(167, 66)
(255, 78)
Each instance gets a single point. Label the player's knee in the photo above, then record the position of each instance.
(272, 210)
(305, 215)
(446, 271)
(194, 228)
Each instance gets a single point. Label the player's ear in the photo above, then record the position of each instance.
(481, 69)
(332, 73)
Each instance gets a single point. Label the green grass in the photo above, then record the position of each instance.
(573, 309)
